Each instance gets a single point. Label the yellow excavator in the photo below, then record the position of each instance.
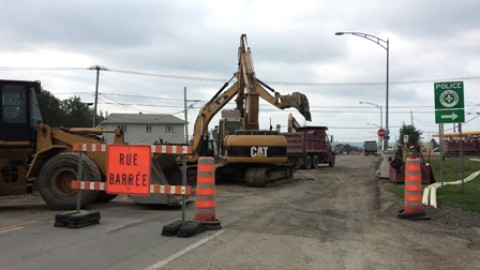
(243, 150)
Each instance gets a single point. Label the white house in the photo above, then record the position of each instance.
(146, 128)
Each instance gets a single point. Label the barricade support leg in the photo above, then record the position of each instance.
(77, 218)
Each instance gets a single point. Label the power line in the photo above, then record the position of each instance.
(197, 78)
(141, 105)
(168, 76)
(42, 68)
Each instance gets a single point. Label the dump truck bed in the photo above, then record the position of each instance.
(308, 140)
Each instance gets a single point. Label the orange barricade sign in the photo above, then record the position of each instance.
(128, 169)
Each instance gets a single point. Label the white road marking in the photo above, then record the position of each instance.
(17, 227)
(10, 229)
(184, 251)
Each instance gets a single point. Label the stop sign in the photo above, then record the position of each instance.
(381, 132)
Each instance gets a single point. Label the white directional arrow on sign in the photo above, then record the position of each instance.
(452, 116)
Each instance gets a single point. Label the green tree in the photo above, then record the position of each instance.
(78, 113)
(51, 108)
(413, 135)
(71, 112)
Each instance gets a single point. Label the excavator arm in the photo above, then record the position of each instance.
(208, 111)
(296, 100)
(252, 88)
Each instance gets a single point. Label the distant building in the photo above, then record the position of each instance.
(146, 128)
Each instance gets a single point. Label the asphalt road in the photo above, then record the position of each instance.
(327, 218)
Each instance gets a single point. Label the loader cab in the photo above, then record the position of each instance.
(20, 111)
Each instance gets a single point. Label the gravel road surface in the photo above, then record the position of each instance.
(327, 218)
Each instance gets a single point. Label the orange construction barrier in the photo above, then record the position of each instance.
(413, 189)
(205, 193)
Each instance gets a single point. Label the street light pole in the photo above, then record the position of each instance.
(376, 106)
(384, 44)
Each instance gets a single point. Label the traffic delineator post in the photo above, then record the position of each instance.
(413, 207)
(204, 204)
(205, 193)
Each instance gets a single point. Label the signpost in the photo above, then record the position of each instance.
(381, 132)
(450, 108)
(128, 169)
(449, 102)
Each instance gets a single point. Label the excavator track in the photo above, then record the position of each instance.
(259, 176)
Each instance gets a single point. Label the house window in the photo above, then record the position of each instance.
(149, 129)
(122, 127)
(169, 129)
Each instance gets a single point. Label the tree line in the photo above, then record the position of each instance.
(71, 112)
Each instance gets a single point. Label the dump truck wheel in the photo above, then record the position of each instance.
(331, 163)
(57, 174)
(307, 162)
(314, 162)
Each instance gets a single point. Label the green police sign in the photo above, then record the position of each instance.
(449, 95)
(449, 102)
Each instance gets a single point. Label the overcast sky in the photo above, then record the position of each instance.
(194, 44)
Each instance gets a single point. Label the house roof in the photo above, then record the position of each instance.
(127, 118)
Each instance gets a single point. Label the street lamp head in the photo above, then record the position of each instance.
(339, 33)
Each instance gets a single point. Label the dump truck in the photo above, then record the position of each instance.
(308, 146)
(245, 152)
(35, 156)
(370, 147)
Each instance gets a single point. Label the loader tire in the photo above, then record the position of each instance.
(55, 178)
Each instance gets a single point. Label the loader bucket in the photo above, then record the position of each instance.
(300, 102)
(165, 171)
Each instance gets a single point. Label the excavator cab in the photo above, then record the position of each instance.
(230, 122)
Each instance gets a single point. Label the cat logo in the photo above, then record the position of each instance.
(260, 151)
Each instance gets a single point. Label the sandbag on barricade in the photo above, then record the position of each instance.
(77, 219)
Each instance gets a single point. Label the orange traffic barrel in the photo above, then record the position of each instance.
(413, 190)
(205, 193)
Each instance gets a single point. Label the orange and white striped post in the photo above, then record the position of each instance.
(413, 189)
(205, 194)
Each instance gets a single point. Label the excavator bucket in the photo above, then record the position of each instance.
(300, 102)
(165, 171)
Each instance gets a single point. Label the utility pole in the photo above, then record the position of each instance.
(97, 68)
